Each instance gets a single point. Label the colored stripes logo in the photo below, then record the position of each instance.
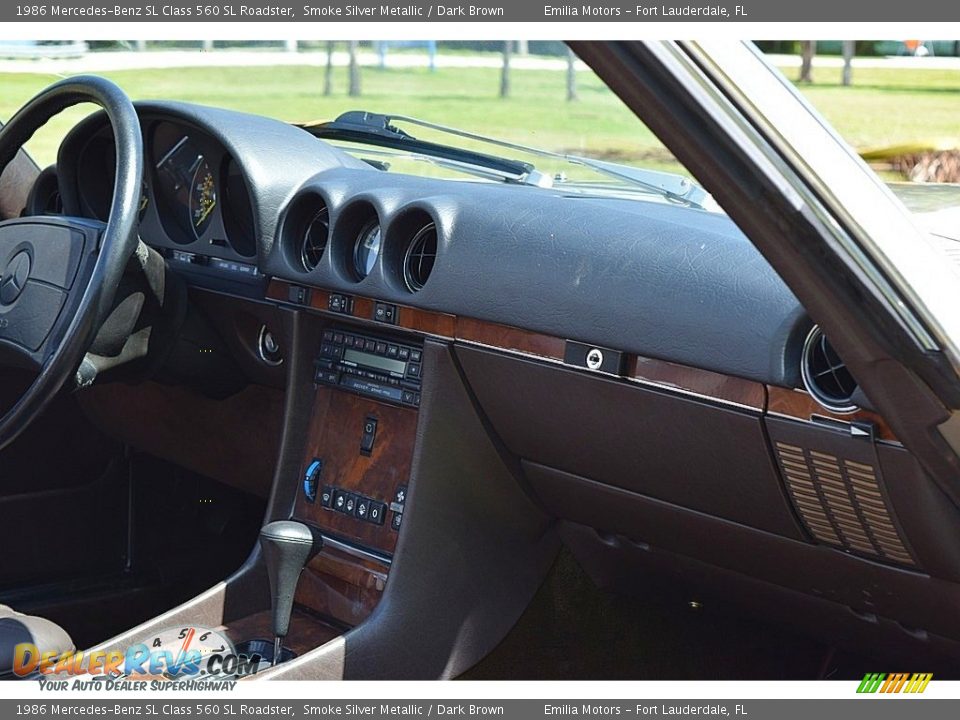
(895, 682)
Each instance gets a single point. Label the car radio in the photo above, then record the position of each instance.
(376, 367)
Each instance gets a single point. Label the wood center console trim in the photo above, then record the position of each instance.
(334, 436)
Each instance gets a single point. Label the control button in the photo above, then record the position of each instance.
(416, 356)
(370, 346)
(404, 353)
(299, 295)
(369, 436)
(363, 508)
(326, 350)
(329, 377)
(326, 496)
(381, 348)
(416, 399)
(348, 340)
(338, 338)
(413, 369)
(327, 335)
(311, 480)
(385, 313)
(339, 303)
(395, 521)
(377, 513)
(340, 500)
(392, 351)
(350, 506)
(400, 496)
(407, 397)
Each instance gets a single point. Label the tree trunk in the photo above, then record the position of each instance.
(571, 76)
(849, 47)
(328, 73)
(808, 49)
(354, 70)
(505, 73)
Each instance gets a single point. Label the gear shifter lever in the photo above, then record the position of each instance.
(287, 547)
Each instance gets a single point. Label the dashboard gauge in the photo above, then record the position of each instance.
(188, 187)
(203, 197)
(366, 249)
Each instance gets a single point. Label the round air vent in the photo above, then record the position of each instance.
(825, 375)
(420, 257)
(314, 239)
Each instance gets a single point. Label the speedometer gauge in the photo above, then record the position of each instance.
(188, 186)
(203, 197)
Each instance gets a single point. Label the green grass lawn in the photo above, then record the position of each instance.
(885, 106)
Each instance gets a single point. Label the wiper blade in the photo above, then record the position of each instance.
(375, 129)
(372, 128)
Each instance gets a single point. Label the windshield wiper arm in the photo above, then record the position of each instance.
(375, 129)
(371, 128)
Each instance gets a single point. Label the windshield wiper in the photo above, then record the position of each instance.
(375, 129)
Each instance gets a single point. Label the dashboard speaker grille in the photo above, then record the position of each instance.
(841, 503)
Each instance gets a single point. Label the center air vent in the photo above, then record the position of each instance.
(825, 375)
(420, 257)
(314, 240)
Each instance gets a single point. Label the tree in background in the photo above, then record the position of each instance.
(505, 72)
(808, 48)
(571, 76)
(849, 48)
(354, 70)
(328, 73)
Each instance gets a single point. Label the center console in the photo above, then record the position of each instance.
(356, 466)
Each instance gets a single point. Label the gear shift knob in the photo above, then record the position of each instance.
(287, 547)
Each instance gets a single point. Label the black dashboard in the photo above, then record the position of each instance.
(235, 199)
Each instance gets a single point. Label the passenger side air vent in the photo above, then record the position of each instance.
(314, 240)
(420, 257)
(825, 375)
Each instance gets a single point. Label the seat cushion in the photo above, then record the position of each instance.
(17, 628)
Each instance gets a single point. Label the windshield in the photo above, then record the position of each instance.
(891, 102)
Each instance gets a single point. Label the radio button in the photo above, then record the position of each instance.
(377, 513)
(363, 508)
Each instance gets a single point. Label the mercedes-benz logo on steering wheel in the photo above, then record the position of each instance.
(14, 278)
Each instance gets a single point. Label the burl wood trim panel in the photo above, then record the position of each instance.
(334, 436)
(704, 383)
(800, 405)
(408, 318)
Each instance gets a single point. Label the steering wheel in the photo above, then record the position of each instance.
(59, 275)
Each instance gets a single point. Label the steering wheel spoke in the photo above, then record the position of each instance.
(42, 260)
(59, 275)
